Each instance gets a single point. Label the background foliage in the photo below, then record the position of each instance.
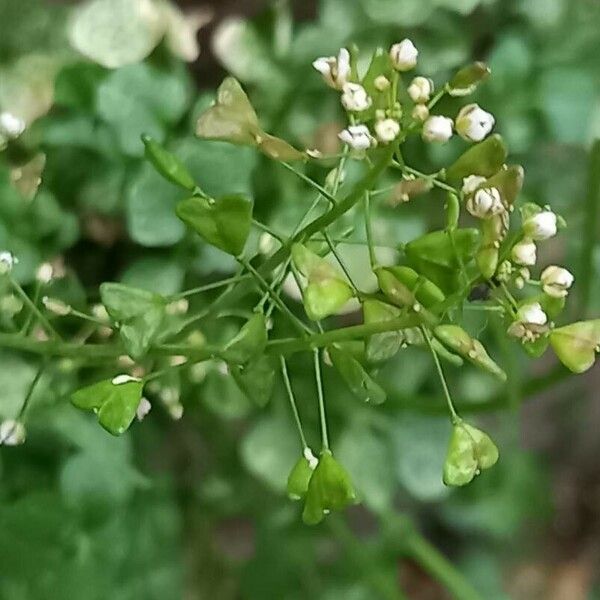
(194, 508)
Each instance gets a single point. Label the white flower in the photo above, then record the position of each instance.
(524, 252)
(485, 203)
(556, 281)
(144, 407)
(12, 433)
(357, 137)
(532, 314)
(471, 183)
(420, 112)
(381, 83)
(121, 379)
(437, 129)
(404, 55)
(56, 306)
(355, 97)
(473, 123)
(7, 262)
(420, 89)
(10, 125)
(541, 226)
(387, 130)
(335, 71)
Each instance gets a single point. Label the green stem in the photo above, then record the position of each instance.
(438, 366)
(210, 286)
(340, 261)
(33, 308)
(268, 230)
(36, 299)
(311, 182)
(88, 318)
(369, 231)
(321, 399)
(30, 390)
(290, 394)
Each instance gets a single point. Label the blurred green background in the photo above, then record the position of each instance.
(194, 507)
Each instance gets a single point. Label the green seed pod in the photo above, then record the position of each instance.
(470, 451)
(484, 159)
(249, 342)
(452, 211)
(329, 489)
(493, 232)
(458, 340)
(299, 477)
(425, 291)
(326, 291)
(576, 344)
(167, 164)
(466, 80)
(437, 247)
(396, 291)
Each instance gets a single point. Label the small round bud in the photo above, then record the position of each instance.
(355, 97)
(473, 123)
(358, 137)
(524, 252)
(556, 281)
(485, 203)
(335, 71)
(124, 378)
(532, 314)
(387, 130)
(404, 55)
(44, 273)
(420, 89)
(437, 129)
(144, 407)
(11, 126)
(420, 112)
(381, 83)
(504, 271)
(541, 226)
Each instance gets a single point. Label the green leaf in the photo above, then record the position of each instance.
(223, 222)
(470, 451)
(457, 339)
(167, 164)
(509, 182)
(438, 248)
(256, 379)
(115, 403)
(250, 341)
(466, 80)
(329, 489)
(381, 346)
(114, 33)
(484, 159)
(139, 315)
(358, 380)
(576, 344)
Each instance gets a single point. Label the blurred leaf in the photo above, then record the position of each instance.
(158, 274)
(256, 379)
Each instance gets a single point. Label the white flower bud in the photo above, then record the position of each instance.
(485, 203)
(420, 89)
(313, 461)
(404, 55)
(541, 226)
(357, 137)
(11, 126)
(524, 252)
(335, 71)
(144, 407)
(44, 273)
(556, 281)
(473, 123)
(420, 112)
(437, 129)
(471, 183)
(387, 130)
(355, 97)
(124, 378)
(7, 261)
(12, 433)
(381, 83)
(532, 314)
(56, 306)
(504, 271)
